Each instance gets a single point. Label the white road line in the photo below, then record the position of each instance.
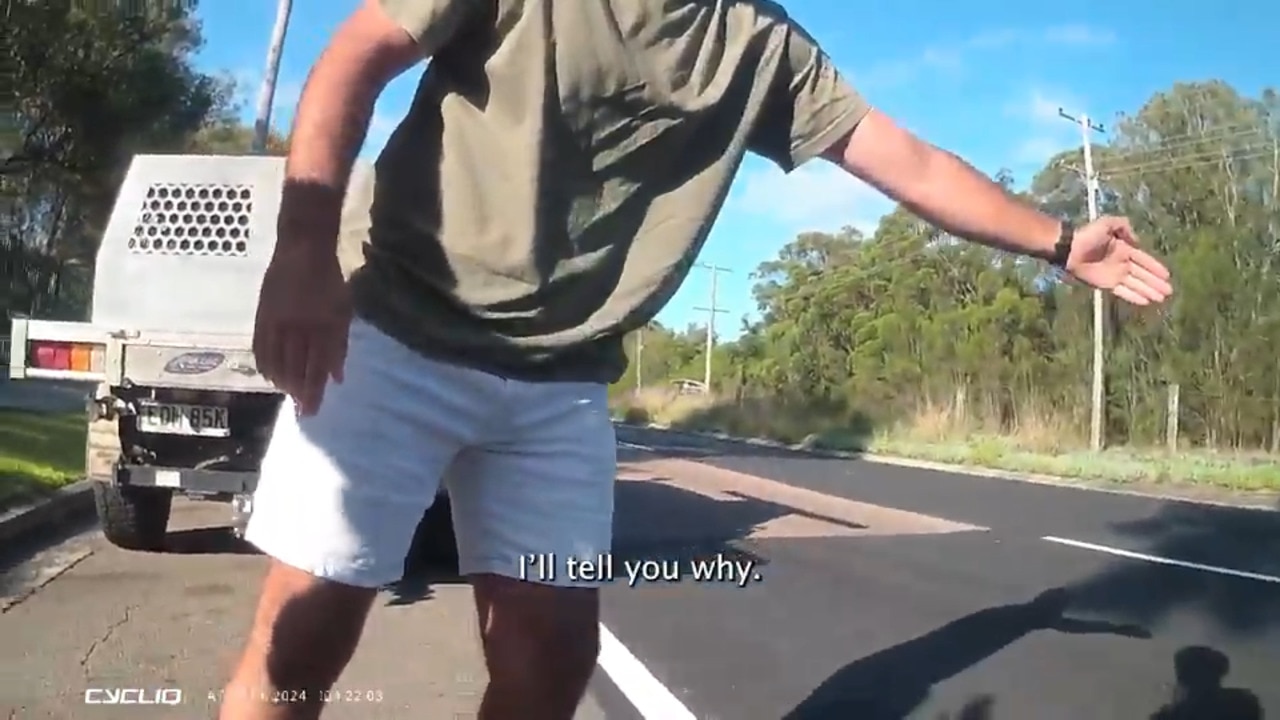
(649, 696)
(660, 448)
(1163, 560)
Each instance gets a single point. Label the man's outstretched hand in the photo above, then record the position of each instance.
(304, 314)
(1105, 255)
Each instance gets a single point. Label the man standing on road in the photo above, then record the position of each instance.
(547, 192)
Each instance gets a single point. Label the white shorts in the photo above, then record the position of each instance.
(529, 469)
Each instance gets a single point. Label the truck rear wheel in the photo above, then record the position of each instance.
(133, 517)
(434, 545)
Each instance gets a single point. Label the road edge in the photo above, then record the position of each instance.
(66, 502)
(973, 470)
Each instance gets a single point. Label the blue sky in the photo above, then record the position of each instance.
(983, 78)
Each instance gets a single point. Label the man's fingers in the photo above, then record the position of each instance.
(1148, 264)
(299, 361)
(1156, 281)
(267, 351)
(1142, 289)
(317, 364)
(1129, 296)
(321, 349)
(338, 357)
(294, 349)
(309, 395)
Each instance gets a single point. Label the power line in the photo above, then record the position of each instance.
(1242, 141)
(1192, 160)
(1165, 143)
(1249, 133)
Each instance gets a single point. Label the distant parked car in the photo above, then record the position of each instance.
(685, 386)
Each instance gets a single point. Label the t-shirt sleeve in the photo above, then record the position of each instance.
(809, 105)
(432, 23)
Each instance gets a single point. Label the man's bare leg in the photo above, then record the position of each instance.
(338, 499)
(540, 646)
(304, 633)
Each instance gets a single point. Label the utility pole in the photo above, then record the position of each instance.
(1091, 194)
(267, 93)
(711, 318)
(639, 359)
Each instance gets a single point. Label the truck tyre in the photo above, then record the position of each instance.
(133, 517)
(434, 545)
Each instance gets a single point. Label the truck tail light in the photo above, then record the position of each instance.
(75, 357)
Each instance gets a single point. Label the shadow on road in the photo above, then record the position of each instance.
(653, 522)
(1199, 672)
(418, 582)
(211, 540)
(1136, 591)
(420, 574)
(979, 708)
(892, 683)
(1233, 538)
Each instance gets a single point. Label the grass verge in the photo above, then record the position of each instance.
(39, 453)
(1037, 446)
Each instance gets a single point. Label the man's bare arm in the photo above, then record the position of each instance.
(942, 188)
(366, 53)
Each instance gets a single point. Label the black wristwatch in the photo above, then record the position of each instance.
(1062, 248)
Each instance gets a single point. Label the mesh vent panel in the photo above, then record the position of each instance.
(194, 219)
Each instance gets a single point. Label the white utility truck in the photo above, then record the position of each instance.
(179, 405)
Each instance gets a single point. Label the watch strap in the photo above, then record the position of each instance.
(1062, 248)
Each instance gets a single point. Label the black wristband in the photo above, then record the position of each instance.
(1062, 248)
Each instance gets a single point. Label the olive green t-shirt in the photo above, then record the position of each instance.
(562, 163)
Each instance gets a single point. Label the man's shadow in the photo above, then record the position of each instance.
(1200, 696)
(892, 683)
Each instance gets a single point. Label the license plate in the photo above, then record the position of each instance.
(196, 420)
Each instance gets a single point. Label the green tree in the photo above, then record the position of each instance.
(907, 319)
(93, 85)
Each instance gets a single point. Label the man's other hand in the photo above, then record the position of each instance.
(304, 314)
(1105, 255)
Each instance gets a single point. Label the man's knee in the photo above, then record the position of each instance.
(538, 635)
(304, 633)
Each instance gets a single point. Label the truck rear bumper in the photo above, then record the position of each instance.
(187, 479)
(190, 480)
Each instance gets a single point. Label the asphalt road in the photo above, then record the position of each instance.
(81, 616)
(876, 592)
(41, 395)
(947, 624)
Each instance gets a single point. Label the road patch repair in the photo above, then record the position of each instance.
(711, 518)
(754, 508)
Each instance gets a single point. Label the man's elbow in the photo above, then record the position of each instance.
(369, 48)
(889, 158)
